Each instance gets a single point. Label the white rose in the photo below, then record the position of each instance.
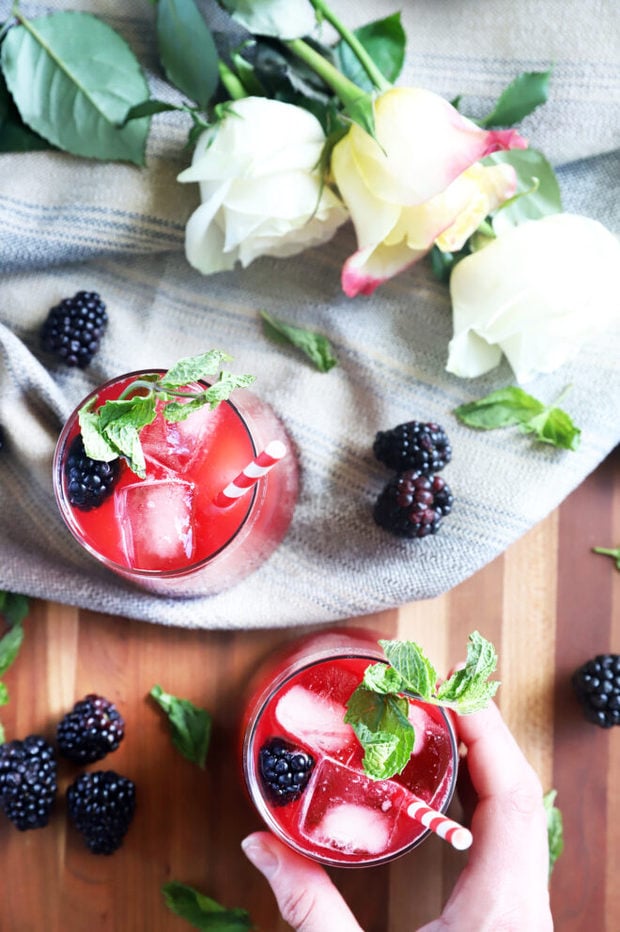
(261, 190)
(536, 294)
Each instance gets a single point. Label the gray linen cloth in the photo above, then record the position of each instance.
(68, 224)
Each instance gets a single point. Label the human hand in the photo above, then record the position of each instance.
(504, 885)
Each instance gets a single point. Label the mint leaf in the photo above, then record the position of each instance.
(501, 408)
(95, 444)
(316, 346)
(10, 644)
(468, 690)
(522, 96)
(381, 725)
(417, 673)
(614, 553)
(13, 606)
(2, 734)
(193, 369)
(203, 912)
(509, 406)
(554, 426)
(190, 725)
(4, 695)
(555, 828)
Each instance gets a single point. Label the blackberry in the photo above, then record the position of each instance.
(27, 781)
(73, 329)
(284, 770)
(597, 686)
(89, 482)
(92, 729)
(101, 805)
(414, 445)
(413, 505)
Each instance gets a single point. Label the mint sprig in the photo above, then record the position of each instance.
(513, 406)
(113, 429)
(377, 709)
(190, 726)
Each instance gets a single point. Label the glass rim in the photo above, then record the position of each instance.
(66, 509)
(250, 771)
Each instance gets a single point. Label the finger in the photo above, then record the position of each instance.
(509, 853)
(307, 898)
(495, 761)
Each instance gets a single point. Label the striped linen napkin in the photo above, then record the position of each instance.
(68, 224)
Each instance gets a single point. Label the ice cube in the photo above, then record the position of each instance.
(421, 722)
(354, 829)
(347, 811)
(177, 444)
(156, 520)
(314, 720)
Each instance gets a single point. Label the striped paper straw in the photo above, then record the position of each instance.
(458, 836)
(254, 471)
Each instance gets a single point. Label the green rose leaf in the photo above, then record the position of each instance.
(512, 405)
(538, 191)
(190, 725)
(315, 346)
(187, 50)
(203, 912)
(522, 96)
(73, 78)
(385, 41)
(15, 136)
(282, 19)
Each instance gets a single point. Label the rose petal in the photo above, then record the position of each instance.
(422, 145)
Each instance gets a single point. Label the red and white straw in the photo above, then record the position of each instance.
(458, 836)
(247, 479)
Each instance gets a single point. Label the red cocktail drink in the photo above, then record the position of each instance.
(328, 808)
(165, 532)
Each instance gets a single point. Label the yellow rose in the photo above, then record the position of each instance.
(416, 183)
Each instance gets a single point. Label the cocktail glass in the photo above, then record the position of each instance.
(165, 533)
(341, 817)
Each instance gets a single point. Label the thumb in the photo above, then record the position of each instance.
(307, 898)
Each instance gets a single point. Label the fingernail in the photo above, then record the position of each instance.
(260, 855)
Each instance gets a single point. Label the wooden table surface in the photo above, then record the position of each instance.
(548, 604)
